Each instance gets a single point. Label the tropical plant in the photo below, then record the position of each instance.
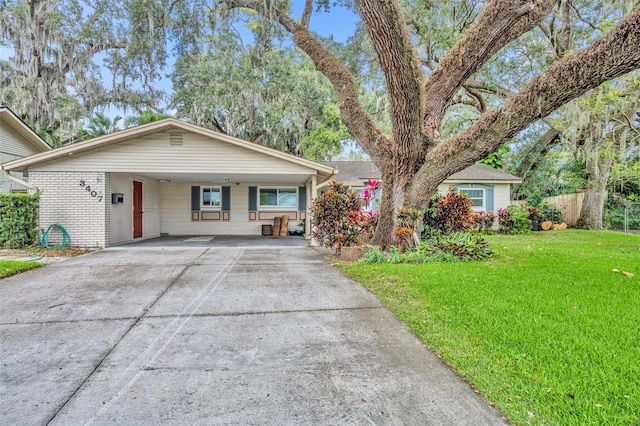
(464, 246)
(484, 221)
(406, 232)
(147, 116)
(514, 220)
(453, 247)
(100, 125)
(450, 212)
(338, 219)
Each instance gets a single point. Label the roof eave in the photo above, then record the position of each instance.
(484, 181)
(24, 130)
(167, 124)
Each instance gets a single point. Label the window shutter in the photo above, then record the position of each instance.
(195, 198)
(226, 198)
(302, 198)
(253, 198)
(488, 189)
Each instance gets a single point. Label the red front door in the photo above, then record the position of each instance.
(137, 209)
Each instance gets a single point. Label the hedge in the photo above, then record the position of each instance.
(18, 220)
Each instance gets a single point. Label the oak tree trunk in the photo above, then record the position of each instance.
(596, 194)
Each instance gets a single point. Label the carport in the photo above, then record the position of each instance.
(169, 177)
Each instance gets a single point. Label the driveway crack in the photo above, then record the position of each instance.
(135, 322)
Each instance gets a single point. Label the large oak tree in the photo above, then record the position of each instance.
(413, 159)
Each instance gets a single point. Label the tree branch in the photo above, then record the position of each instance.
(500, 23)
(306, 14)
(360, 124)
(608, 58)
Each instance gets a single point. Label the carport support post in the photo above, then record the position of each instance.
(311, 190)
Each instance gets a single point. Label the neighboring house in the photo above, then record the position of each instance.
(489, 189)
(17, 140)
(168, 177)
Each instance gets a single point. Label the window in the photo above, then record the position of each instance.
(278, 197)
(476, 195)
(210, 197)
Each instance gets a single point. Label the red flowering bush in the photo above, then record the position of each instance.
(484, 221)
(449, 213)
(338, 220)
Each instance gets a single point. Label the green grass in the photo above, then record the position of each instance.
(12, 267)
(545, 330)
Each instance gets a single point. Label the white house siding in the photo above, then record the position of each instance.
(121, 229)
(12, 146)
(501, 193)
(175, 212)
(501, 196)
(12, 142)
(65, 199)
(197, 154)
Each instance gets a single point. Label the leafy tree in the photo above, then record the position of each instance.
(600, 130)
(268, 95)
(325, 141)
(100, 125)
(52, 75)
(147, 116)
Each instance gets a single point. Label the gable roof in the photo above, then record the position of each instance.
(23, 129)
(482, 173)
(167, 124)
(354, 172)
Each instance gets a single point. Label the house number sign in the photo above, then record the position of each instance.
(91, 192)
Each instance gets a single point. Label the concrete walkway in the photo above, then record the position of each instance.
(205, 335)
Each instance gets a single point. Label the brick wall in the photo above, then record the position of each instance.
(79, 201)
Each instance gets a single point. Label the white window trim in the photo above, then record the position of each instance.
(481, 208)
(206, 207)
(278, 208)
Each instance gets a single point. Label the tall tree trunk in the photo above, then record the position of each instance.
(383, 235)
(596, 194)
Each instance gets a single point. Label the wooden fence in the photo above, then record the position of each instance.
(569, 204)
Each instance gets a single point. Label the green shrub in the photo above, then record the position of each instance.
(514, 220)
(550, 213)
(484, 221)
(453, 247)
(338, 219)
(18, 220)
(374, 255)
(449, 213)
(464, 246)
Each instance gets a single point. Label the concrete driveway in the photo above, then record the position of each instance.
(149, 335)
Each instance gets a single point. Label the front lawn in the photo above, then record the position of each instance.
(545, 330)
(12, 267)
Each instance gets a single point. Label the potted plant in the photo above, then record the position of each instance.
(302, 225)
(534, 217)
